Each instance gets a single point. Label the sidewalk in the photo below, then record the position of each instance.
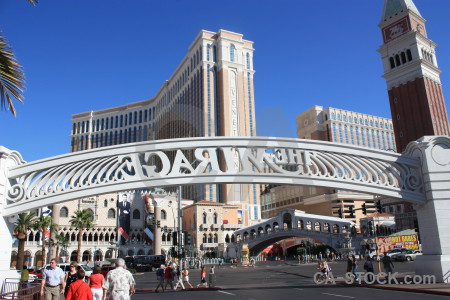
(432, 288)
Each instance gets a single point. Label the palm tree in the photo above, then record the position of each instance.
(44, 223)
(12, 78)
(60, 241)
(24, 223)
(82, 219)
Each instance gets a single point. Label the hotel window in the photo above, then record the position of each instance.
(208, 49)
(135, 117)
(214, 53)
(334, 133)
(380, 146)
(346, 134)
(64, 212)
(339, 117)
(341, 140)
(232, 52)
(373, 139)
(332, 116)
(247, 57)
(368, 138)
(140, 116)
(360, 121)
(351, 135)
(344, 118)
(357, 136)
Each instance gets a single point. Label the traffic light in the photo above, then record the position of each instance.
(351, 211)
(340, 213)
(364, 209)
(371, 228)
(378, 204)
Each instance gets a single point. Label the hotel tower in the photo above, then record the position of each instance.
(209, 94)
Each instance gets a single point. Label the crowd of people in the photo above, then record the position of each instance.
(171, 276)
(118, 285)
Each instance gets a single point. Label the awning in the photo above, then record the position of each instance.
(388, 223)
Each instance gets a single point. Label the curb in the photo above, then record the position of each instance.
(413, 290)
(186, 290)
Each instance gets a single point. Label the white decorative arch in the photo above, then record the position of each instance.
(260, 160)
(420, 175)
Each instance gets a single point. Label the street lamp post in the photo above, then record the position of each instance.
(180, 225)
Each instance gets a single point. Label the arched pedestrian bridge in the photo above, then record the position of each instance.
(292, 223)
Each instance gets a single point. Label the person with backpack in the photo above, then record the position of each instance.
(368, 266)
(160, 278)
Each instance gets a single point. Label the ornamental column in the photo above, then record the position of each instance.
(433, 216)
(158, 236)
(8, 158)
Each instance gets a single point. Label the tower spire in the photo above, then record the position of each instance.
(393, 8)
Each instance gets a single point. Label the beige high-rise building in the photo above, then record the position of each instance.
(338, 126)
(209, 94)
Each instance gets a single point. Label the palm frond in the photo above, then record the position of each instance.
(12, 77)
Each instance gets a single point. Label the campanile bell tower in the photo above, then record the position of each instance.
(412, 74)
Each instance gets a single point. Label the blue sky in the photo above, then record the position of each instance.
(92, 54)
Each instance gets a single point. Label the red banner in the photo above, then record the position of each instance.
(123, 233)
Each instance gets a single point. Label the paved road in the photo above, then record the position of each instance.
(282, 280)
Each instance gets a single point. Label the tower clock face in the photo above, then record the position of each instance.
(397, 29)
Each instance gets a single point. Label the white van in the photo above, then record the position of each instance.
(66, 268)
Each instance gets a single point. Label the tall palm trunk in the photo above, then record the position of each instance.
(57, 253)
(20, 254)
(44, 256)
(80, 235)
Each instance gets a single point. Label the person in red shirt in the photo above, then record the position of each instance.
(96, 283)
(79, 290)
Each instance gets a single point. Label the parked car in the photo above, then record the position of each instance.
(395, 255)
(393, 252)
(106, 269)
(37, 272)
(31, 277)
(409, 255)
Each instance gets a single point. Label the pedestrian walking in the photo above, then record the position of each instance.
(354, 266)
(24, 277)
(79, 290)
(212, 276)
(349, 264)
(52, 284)
(179, 278)
(202, 277)
(95, 282)
(71, 276)
(168, 277)
(160, 278)
(185, 274)
(119, 283)
(368, 266)
(387, 263)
